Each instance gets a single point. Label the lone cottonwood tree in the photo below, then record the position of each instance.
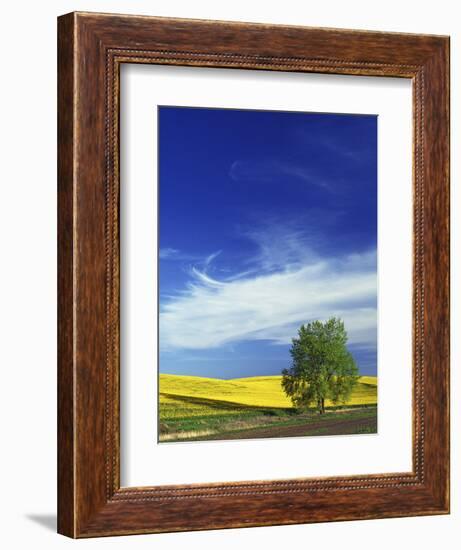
(322, 366)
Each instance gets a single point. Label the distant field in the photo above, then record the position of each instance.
(193, 407)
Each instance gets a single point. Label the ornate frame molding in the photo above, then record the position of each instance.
(91, 49)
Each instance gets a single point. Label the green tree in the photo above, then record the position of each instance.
(322, 367)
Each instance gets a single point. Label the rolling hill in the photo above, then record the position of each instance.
(258, 391)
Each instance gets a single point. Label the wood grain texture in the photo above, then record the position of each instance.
(91, 49)
(66, 487)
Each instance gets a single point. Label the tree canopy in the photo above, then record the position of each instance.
(322, 367)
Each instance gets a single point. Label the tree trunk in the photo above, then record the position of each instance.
(321, 405)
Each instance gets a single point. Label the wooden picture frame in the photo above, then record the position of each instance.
(91, 49)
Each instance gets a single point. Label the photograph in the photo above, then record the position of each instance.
(229, 236)
(267, 262)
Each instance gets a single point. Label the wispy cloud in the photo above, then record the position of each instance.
(269, 170)
(285, 247)
(357, 152)
(173, 254)
(212, 257)
(288, 284)
(168, 253)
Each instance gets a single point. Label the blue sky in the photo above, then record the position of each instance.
(267, 220)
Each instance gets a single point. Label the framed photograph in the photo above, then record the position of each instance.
(253, 259)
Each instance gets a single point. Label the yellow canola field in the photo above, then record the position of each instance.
(182, 396)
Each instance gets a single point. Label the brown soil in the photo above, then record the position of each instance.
(327, 427)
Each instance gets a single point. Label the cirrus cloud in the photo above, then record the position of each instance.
(263, 304)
